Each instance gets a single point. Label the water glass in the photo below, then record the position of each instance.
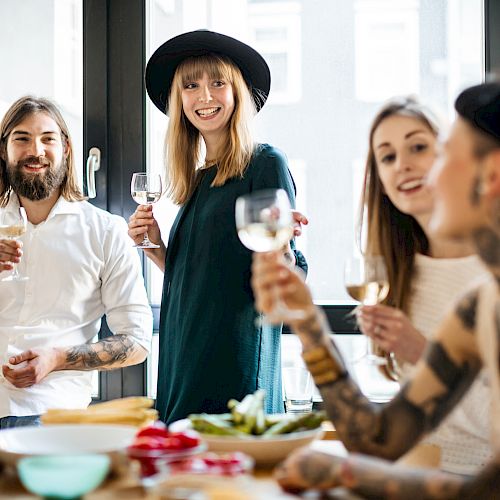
(299, 387)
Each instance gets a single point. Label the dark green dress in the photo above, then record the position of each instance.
(210, 348)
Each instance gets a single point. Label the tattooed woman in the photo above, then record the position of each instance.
(427, 274)
(467, 192)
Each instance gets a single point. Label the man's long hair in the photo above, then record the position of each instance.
(22, 108)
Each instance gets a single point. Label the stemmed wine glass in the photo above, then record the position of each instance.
(366, 281)
(146, 190)
(265, 224)
(13, 225)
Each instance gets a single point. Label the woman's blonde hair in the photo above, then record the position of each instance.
(394, 235)
(22, 108)
(183, 141)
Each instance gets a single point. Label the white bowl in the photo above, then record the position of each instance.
(70, 439)
(266, 451)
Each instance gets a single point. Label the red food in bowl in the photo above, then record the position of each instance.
(154, 431)
(153, 448)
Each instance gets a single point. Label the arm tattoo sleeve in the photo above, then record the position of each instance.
(109, 353)
(374, 478)
(379, 479)
(393, 429)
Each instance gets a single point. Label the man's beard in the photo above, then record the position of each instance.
(35, 186)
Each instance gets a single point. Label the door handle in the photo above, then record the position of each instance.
(93, 165)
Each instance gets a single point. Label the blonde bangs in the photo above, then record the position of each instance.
(216, 67)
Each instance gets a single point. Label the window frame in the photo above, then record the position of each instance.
(115, 121)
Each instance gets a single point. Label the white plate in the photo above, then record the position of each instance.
(265, 451)
(19, 442)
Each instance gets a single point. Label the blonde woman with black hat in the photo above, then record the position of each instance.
(466, 185)
(211, 85)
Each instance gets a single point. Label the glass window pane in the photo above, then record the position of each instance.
(41, 49)
(48, 64)
(332, 66)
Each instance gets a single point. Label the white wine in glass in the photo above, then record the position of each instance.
(13, 225)
(265, 224)
(369, 293)
(146, 190)
(366, 281)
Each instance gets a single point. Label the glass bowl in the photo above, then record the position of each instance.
(159, 460)
(63, 476)
(218, 464)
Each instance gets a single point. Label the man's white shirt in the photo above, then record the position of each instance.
(81, 265)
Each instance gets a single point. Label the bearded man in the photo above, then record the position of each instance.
(79, 266)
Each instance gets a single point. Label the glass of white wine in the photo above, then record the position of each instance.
(366, 281)
(265, 224)
(13, 225)
(146, 190)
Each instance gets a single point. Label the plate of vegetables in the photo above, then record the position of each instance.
(268, 439)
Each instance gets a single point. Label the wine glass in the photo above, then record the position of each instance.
(13, 225)
(146, 190)
(265, 224)
(366, 281)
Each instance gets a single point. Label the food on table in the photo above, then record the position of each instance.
(155, 442)
(223, 464)
(248, 418)
(134, 411)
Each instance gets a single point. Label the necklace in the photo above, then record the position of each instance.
(208, 164)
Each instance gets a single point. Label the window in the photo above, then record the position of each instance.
(49, 64)
(331, 64)
(330, 60)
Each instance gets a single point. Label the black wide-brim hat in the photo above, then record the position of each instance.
(480, 105)
(161, 66)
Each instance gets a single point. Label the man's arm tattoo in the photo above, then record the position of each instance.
(108, 353)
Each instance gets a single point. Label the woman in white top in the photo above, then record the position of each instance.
(467, 207)
(426, 274)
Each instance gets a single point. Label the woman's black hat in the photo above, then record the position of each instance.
(161, 66)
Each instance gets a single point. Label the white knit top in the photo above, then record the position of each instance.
(463, 436)
(487, 324)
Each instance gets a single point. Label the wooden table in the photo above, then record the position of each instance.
(124, 485)
(259, 485)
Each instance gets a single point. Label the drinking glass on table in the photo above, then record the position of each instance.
(298, 387)
(365, 279)
(13, 225)
(146, 190)
(265, 224)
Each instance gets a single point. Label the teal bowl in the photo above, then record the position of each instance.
(63, 476)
